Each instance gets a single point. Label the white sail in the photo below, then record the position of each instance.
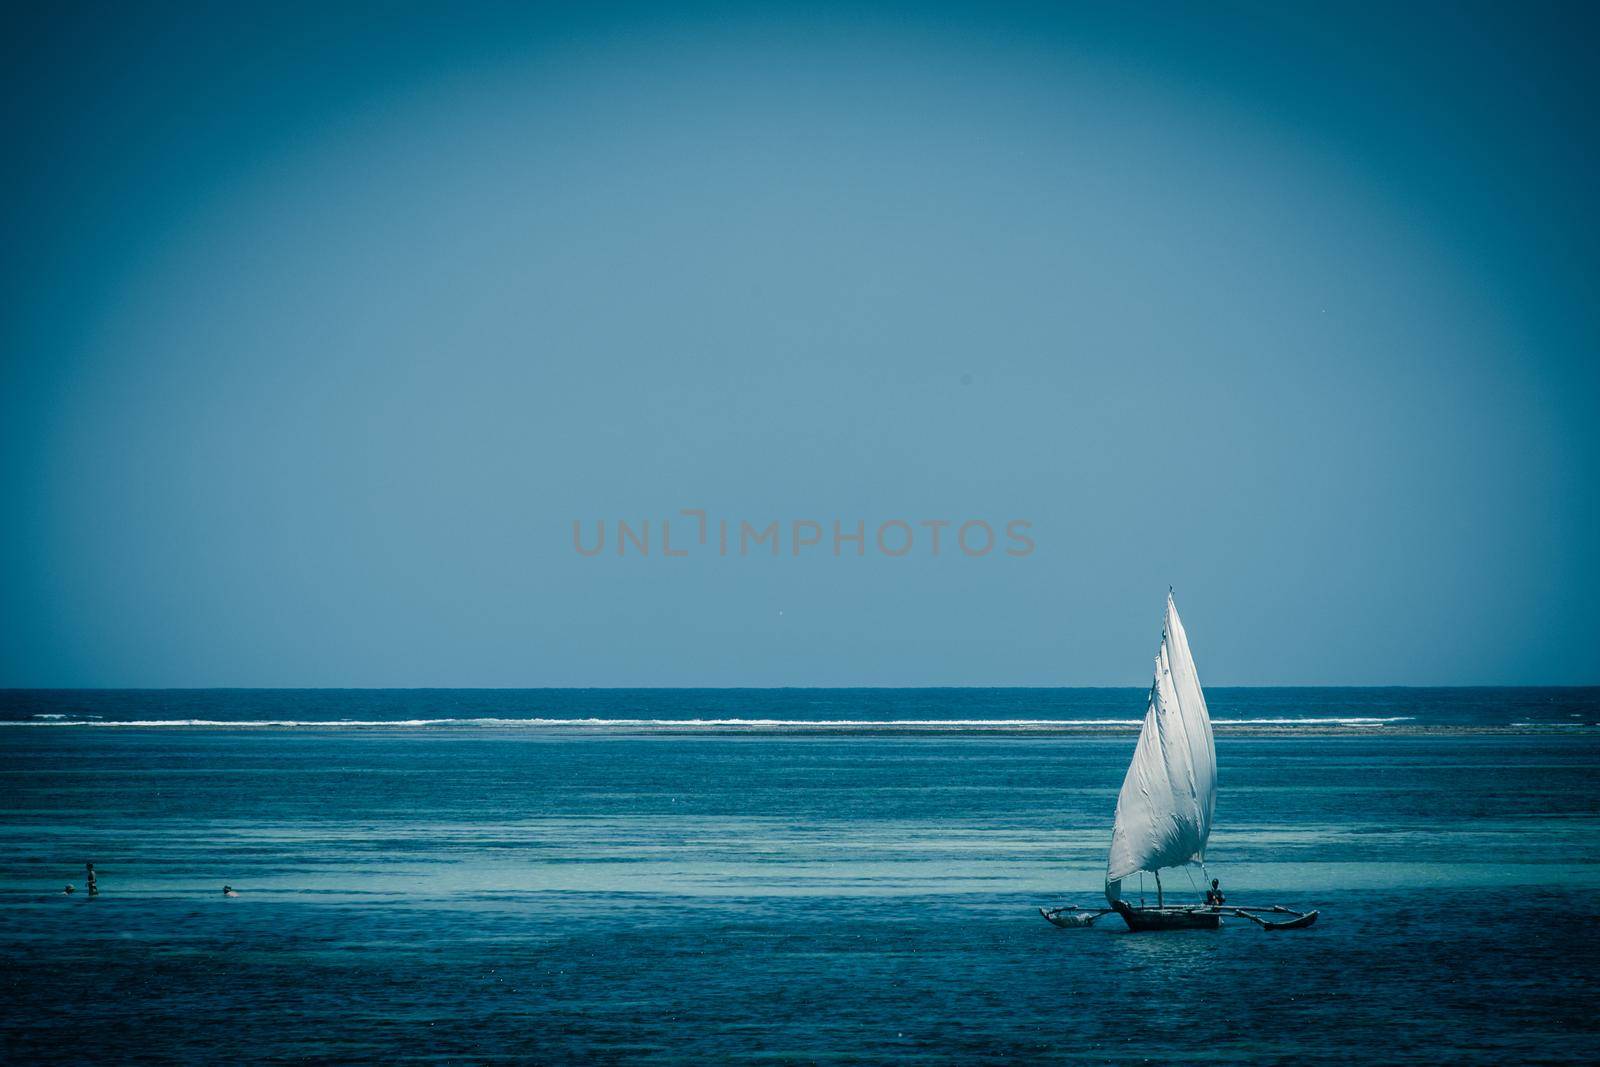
(1164, 810)
(1197, 720)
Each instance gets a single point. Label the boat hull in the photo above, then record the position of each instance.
(1141, 920)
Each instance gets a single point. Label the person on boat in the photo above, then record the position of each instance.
(1214, 895)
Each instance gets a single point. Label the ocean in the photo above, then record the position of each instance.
(784, 875)
(632, 709)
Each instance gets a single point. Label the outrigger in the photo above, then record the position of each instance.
(1182, 917)
(1164, 810)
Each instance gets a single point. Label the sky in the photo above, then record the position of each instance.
(321, 328)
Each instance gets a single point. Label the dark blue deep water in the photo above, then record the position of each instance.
(1470, 706)
(494, 893)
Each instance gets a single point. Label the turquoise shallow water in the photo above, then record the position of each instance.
(513, 894)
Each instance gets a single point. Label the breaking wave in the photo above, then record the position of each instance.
(694, 724)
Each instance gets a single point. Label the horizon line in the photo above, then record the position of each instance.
(747, 688)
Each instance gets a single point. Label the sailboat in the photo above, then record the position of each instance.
(1164, 811)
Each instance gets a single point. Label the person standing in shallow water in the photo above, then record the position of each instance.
(94, 890)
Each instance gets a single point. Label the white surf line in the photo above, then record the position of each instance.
(800, 723)
(791, 724)
(1337, 721)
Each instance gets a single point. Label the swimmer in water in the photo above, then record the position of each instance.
(228, 891)
(69, 890)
